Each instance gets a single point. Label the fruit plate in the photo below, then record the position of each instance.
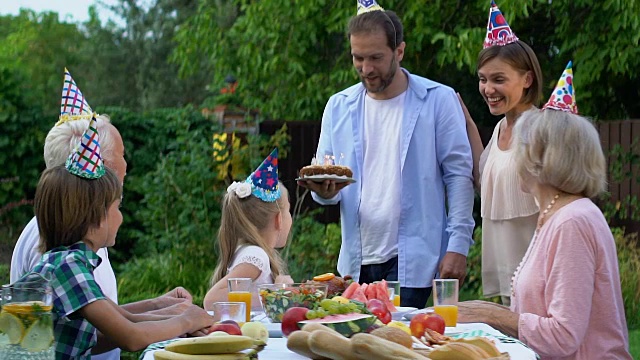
(321, 178)
(401, 311)
(411, 314)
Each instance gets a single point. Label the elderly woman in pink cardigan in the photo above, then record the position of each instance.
(566, 300)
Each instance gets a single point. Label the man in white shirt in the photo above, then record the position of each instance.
(58, 146)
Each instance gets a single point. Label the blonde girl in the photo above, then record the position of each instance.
(255, 222)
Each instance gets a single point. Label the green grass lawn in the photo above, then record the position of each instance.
(634, 342)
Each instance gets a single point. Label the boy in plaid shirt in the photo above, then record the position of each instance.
(77, 208)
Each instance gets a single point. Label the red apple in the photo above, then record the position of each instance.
(290, 319)
(432, 321)
(231, 329)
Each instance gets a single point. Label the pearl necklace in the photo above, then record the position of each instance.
(535, 235)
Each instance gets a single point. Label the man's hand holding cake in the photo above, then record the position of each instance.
(328, 187)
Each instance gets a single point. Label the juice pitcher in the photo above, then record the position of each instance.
(26, 324)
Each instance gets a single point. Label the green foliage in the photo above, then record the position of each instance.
(624, 165)
(23, 131)
(634, 343)
(629, 265)
(313, 248)
(301, 56)
(4, 274)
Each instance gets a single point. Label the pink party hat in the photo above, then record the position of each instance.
(85, 160)
(563, 98)
(73, 105)
(264, 180)
(368, 5)
(498, 31)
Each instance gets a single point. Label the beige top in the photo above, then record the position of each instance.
(501, 195)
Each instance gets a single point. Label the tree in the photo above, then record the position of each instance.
(289, 65)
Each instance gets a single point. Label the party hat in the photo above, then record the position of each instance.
(368, 5)
(85, 160)
(264, 180)
(498, 31)
(563, 98)
(73, 105)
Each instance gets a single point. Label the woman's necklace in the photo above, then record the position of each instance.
(535, 235)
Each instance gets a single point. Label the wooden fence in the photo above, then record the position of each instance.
(305, 134)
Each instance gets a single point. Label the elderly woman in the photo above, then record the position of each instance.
(566, 300)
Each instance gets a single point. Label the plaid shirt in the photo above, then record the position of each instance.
(70, 272)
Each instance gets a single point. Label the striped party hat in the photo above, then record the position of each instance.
(498, 31)
(368, 5)
(264, 180)
(563, 97)
(86, 161)
(73, 105)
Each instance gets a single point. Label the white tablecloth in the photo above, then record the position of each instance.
(276, 349)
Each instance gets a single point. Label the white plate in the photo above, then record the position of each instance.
(411, 314)
(401, 311)
(321, 178)
(453, 330)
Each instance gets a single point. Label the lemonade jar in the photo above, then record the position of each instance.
(26, 325)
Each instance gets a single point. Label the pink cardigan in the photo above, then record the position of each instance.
(567, 290)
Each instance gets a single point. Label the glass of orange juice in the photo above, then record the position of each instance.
(445, 300)
(394, 292)
(240, 290)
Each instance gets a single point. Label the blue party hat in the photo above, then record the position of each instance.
(368, 5)
(264, 180)
(498, 31)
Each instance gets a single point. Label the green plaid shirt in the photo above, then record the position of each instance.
(70, 272)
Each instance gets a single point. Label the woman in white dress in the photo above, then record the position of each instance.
(510, 82)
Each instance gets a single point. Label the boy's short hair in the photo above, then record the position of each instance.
(67, 206)
(562, 150)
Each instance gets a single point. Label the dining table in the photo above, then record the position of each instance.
(276, 348)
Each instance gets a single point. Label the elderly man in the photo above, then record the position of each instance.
(58, 146)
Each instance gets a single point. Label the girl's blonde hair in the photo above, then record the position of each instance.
(241, 223)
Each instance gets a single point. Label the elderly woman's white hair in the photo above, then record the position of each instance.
(62, 139)
(562, 150)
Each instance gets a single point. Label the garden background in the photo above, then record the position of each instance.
(201, 90)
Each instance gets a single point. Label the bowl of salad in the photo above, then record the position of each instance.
(277, 298)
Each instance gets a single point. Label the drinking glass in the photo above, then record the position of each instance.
(394, 292)
(240, 290)
(232, 310)
(445, 300)
(26, 324)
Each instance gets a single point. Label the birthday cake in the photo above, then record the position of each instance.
(337, 170)
(327, 166)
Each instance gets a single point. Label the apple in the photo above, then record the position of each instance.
(291, 318)
(231, 329)
(421, 322)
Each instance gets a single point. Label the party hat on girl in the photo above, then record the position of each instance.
(85, 160)
(498, 31)
(563, 97)
(73, 105)
(262, 183)
(368, 5)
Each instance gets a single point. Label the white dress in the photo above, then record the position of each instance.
(509, 218)
(256, 256)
